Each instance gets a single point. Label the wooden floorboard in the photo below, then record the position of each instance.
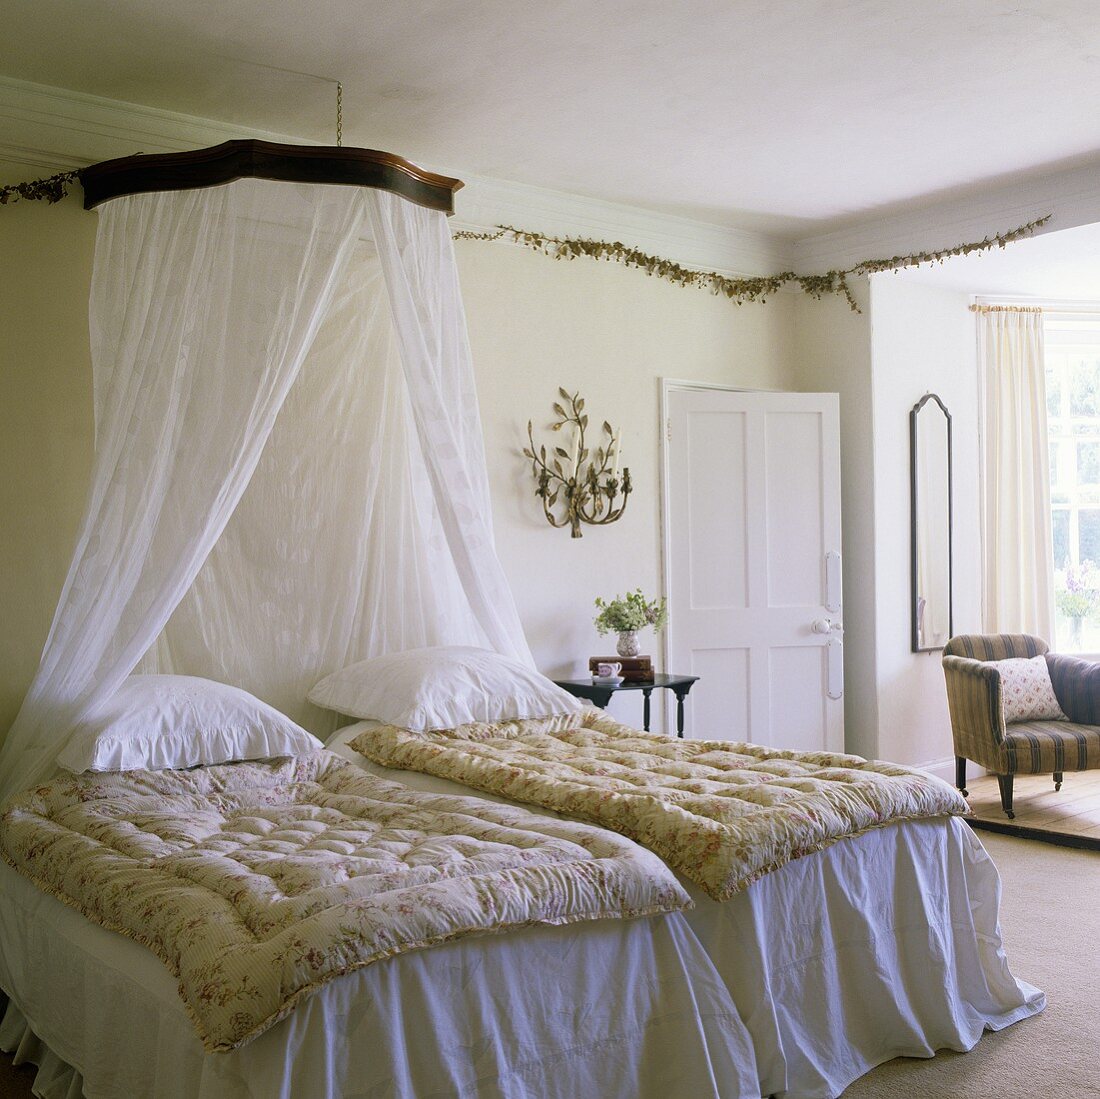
(1073, 812)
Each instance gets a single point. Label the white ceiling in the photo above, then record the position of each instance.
(787, 116)
(1055, 266)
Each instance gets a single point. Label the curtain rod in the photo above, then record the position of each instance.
(1046, 305)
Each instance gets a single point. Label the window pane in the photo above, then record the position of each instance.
(1084, 398)
(1089, 535)
(1054, 392)
(1061, 538)
(1088, 463)
(1073, 426)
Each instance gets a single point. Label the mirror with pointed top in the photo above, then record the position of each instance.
(930, 504)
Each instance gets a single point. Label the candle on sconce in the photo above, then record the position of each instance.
(617, 444)
(576, 451)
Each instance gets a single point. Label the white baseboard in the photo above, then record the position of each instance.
(945, 769)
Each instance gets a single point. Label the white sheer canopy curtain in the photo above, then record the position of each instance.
(417, 258)
(1017, 551)
(366, 527)
(205, 304)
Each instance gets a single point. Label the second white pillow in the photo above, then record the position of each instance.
(441, 688)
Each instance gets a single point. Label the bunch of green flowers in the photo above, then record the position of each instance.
(630, 612)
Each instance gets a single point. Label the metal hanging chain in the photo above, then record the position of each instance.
(339, 114)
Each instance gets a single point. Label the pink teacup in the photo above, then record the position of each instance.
(608, 670)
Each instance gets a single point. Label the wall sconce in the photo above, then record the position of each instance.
(586, 484)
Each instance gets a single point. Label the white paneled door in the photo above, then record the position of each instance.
(753, 564)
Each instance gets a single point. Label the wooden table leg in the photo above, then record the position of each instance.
(680, 696)
(646, 692)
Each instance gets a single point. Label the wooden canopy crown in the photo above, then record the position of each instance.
(254, 159)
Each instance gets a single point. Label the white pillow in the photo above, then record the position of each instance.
(157, 722)
(442, 688)
(1027, 693)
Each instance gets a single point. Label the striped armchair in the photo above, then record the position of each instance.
(1027, 747)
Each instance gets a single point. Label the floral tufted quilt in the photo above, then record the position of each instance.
(721, 813)
(257, 882)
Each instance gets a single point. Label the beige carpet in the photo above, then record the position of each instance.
(1050, 917)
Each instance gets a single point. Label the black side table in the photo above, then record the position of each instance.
(600, 693)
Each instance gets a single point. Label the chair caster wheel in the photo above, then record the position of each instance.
(965, 793)
(1010, 814)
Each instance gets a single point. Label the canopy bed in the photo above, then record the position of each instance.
(849, 910)
(289, 471)
(289, 478)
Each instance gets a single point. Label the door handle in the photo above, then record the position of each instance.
(835, 650)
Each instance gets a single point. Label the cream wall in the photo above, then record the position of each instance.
(833, 355)
(908, 339)
(535, 324)
(922, 341)
(45, 423)
(611, 333)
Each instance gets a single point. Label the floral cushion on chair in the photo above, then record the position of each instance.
(1027, 693)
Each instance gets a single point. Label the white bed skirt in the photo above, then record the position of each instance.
(612, 1008)
(886, 945)
(883, 946)
(55, 1078)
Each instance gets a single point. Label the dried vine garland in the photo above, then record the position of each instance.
(751, 288)
(51, 189)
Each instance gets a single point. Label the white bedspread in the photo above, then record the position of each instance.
(882, 946)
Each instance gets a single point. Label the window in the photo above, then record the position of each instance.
(1073, 426)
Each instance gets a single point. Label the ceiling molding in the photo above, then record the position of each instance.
(487, 203)
(1072, 196)
(24, 160)
(55, 129)
(71, 127)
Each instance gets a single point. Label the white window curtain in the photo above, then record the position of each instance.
(366, 526)
(1017, 552)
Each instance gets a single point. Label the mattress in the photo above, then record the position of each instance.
(880, 946)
